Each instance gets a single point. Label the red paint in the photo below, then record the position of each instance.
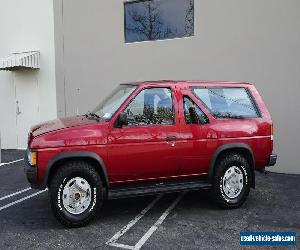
(133, 154)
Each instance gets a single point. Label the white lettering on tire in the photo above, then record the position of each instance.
(94, 199)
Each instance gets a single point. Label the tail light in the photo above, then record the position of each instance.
(272, 132)
(272, 137)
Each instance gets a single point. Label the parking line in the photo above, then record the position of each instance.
(153, 228)
(121, 246)
(8, 163)
(22, 199)
(112, 241)
(161, 219)
(13, 194)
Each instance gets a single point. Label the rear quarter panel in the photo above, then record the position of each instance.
(254, 132)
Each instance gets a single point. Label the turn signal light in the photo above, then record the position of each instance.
(32, 158)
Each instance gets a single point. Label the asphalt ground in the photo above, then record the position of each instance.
(172, 221)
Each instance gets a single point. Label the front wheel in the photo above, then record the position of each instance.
(76, 193)
(232, 181)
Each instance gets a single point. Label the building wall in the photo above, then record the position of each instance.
(26, 26)
(7, 111)
(255, 41)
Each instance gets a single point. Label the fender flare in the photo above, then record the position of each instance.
(232, 146)
(75, 155)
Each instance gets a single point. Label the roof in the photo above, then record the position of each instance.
(15, 61)
(184, 82)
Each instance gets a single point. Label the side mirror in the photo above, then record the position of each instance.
(122, 120)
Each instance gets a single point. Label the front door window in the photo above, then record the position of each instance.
(152, 106)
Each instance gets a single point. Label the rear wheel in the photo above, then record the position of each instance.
(232, 181)
(76, 193)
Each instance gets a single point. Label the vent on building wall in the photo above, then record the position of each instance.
(24, 60)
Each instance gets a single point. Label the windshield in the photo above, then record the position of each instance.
(106, 109)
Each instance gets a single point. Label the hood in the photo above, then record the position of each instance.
(58, 124)
(70, 131)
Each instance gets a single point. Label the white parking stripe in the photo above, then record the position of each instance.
(112, 241)
(121, 246)
(147, 235)
(8, 163)
(157, 223)
(22, 199)
(13, 194)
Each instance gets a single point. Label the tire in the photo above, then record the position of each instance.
(79, 180)
(232, 181)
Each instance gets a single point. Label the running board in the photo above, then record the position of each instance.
(156, 188)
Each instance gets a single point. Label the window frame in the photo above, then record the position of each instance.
(164, 39)
(153, 125)
(188, 97)
(248, 92)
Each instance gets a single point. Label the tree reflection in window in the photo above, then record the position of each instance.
(153, 106)
(192, 113)
(150, 20)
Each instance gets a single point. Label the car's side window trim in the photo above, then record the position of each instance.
(248, 92)
(153, 125)
(258, 112)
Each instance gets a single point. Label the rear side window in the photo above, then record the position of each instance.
(227, 102)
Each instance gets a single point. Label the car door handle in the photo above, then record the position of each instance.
(171, 138)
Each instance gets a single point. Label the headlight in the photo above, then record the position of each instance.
(32, 158)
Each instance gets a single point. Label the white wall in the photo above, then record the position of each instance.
(256, 41)
(7, 111)
(26, 26)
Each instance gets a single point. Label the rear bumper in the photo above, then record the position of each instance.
(272, 160)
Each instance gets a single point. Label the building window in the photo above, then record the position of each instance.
(149, 20)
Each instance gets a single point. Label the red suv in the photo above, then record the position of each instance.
(149, 138)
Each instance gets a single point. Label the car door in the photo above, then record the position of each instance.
(145, 148)
(194, 145)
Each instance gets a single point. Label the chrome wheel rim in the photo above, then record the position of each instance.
(76, 195)
(233, 182)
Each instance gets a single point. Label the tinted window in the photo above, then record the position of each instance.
(227, 102)
(192, 113)
(153, 106)
(158, 19)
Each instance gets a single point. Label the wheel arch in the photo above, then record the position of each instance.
(241, 148)
(94, 159)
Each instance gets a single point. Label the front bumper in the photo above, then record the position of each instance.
(272, 160)
(31, 174)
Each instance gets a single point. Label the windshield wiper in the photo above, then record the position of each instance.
(89, 114)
